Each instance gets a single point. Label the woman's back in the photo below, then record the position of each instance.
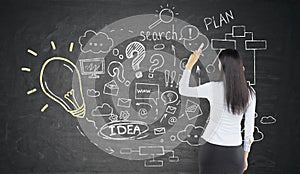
(229, 100)
(223, 128)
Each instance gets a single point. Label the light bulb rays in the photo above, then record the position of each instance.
(25, 69)
(44, 107)
(31, 91)
(72, 100)
(32, 52)
(71, 47)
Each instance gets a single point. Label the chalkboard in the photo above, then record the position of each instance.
(92, 86)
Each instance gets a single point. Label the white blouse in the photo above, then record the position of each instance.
(223, 127)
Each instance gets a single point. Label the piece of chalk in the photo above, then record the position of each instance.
(201, 46)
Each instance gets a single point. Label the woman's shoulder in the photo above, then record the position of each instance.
(216, 82)
(213, 83)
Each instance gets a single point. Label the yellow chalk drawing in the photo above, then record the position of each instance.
(31, 91)
(71, 47)
(25, 69)
(44, 107)
(79, 111)
(53, 45)
(32, 52)
(71, 98)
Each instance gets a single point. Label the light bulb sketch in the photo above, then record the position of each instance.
(57, 85)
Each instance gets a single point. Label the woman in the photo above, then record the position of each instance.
(229, 99)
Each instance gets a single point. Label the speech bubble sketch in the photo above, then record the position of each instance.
(189, 32)
(169, 97)
(267, 120)
(115, 68)
(157, 61)
(191, 135)
(139, 49)
(144, 90)
(92, 93)
(102, 110)
(95, 42)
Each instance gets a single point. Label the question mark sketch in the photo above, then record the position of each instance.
(136, 47)
(158, 61)
(116, 69)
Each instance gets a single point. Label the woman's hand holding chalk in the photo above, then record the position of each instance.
(194, 57)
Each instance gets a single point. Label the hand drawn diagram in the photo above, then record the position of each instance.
(240, 39)
(130, 78)
(140, 84)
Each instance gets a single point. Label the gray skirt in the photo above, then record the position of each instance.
(216, 159)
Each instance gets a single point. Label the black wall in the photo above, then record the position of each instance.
(48, 142)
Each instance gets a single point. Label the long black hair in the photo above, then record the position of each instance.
(236, 87)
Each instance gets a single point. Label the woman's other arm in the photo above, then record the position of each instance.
(249, 128)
